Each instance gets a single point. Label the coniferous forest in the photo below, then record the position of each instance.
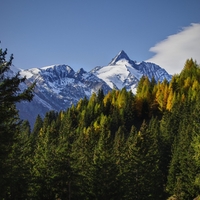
(110, 147)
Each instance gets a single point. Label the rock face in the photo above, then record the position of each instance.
(123, 72)
(59, 86)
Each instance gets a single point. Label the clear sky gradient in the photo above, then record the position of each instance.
(89, 33)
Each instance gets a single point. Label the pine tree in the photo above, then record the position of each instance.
(183, 168)
(100, 96)
(196, 142)
(37, 126)
(119, 145)
(63, 172)
(149, 180)
(46, 162)
(105, 171)
(129, 165)
(82, 164)
(19, 163)
(10, 94)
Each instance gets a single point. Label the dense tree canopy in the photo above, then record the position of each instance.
(111, 146)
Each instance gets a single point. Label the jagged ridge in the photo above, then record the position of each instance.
(59, 86)
(123, 72)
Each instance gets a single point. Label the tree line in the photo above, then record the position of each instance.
(110, 146)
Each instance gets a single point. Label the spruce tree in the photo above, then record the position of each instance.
(82, 164)
(183, 169)
(149, 178)
(105, 170)
(10, 94)
(129, 165)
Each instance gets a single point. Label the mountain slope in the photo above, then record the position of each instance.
(123, 72)
(59, 86)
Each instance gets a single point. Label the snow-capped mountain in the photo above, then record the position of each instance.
(59, 86)
(123, 72)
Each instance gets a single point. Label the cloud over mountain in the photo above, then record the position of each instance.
(172, 52)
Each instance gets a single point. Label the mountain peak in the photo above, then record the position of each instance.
(121, 55)
(81, 71)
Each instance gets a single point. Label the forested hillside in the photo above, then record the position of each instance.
(112, 146)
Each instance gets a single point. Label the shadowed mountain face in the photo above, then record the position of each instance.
(59, 86)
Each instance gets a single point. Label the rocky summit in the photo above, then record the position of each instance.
(59, 86)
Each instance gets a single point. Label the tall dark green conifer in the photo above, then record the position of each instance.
(37, 126)
(10, 94)
(82, 164)
(105, 183)
(149, 173)
(129, 165)
(183, 169)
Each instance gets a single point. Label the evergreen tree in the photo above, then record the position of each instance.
(37, 126)
(149, 179)
(82, 164)
(129, 165)
(100, 96)
(63, 175)
(183, 169)
(19, 163)
(46, 175)
(105, 184)
(196, 142)
(10, 94)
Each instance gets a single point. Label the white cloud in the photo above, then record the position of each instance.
(172, 53)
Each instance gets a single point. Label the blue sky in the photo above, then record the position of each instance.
(89, 33)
